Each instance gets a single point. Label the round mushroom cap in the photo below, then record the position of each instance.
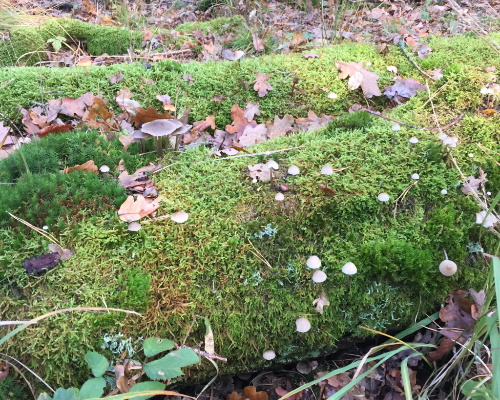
(444, 191)
(269, 355)
(161, 127)
(294, 170)
(313, 262)
(134, 226)
(443, 136)
(383, 197)
(447, 267)
(319, 276)
(396, 127)
(471, 155)
(303, 325)
(413, 140)
(279, 197)
(180, 217)
(272, 164)
(415, 177)
(327, 170)
(45, 228)
(104, 169)
(349, 268)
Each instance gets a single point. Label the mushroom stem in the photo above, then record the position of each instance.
(348, 284)
(445, 255)
(326, 183)
(293, 184)
(159, 148)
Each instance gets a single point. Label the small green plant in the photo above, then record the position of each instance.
(57, 42)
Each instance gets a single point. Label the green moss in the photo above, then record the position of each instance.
(207, 265)
(217, 25)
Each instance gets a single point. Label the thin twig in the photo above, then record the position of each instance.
(402, 46)
(377, 114)
(36, 229)
(259, 154)
(12, 123)
(20, 373)
(29, 370)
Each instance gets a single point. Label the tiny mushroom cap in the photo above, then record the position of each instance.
(444, 191)
(293, 170)
(134, 226)
(327, 170)
(84, 62)
(415, 176)
(349, 268)
(319, 276)
(488, 193)
(313, 262)
(279, 197)
(447, 267)
(443, 136)
(269, 355)
(383, 197)
(45, 228)
(471, 155)
(272, 164)
(396, 127)
(104, 168)
(180, 217)
(413, 140)
(303, 325)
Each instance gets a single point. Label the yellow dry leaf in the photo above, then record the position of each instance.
(131, 210)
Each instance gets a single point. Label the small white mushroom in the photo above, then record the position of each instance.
(488, 193)
(415, 177)
(383, 197)
(45, 228)
(272, 164)
(471, 155)
(332, 95)
(313, 262)
(134, 226)
(269, 355)
(396, 127)
(486, 91)
(180, 217)
(413, 140)
(447, 267)
(293, 170)
(327, 170)
(443, 136)
(104, 169)
(349, 268)
(319, 276)
(303, 325)
(444, 191)
(279, 197)
(451, 142)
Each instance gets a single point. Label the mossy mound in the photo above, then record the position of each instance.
(27, 45)
(208, 266)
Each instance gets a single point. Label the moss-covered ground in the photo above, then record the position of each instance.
(206, 266)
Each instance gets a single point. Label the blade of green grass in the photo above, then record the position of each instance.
(493, 330)
(405, 374)
(415, 327)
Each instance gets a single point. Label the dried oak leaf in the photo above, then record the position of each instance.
(149, 115)
(479, 299)
(441, 351)
(98, 109)
(457, 315)
(259, 171)
(258, 44)
(403, 89)
(261, 84)
(116, 78)
(37, 265)
(473, 183)
(29, 126)
(89, 166)
(167, 102)
(359, 76)
(253, 135)
(200, 126)
(131, 210)
(313, 121)
(251, 110)
(53, 128)
(280, 127)
(126, 140)
(239, 121)
(321, 302)
(72, 107)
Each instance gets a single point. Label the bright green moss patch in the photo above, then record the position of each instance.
(207, 267)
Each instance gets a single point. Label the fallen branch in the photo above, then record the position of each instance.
(266, 153)
(377, 114)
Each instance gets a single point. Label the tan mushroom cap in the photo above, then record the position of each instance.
(448, 267)
(180, 217)
(134, 226)
(161, 127)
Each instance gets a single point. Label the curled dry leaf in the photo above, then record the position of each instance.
(131, 210)
(251, 110)
(261, 84)
(53, 128)
(63, 253)
(232, 56)
(239, 121)
(321, 302)
(118, 77)
(126, 140)
(403, 89)
(361, 77)
(4, 132)
(89, 166)
(143, 116)
(280, 127)
(258, 44)
(313, 121)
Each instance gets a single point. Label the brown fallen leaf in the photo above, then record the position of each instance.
(89, 166)
(200, 126)
(4, 370)
(327, 190)
(489, 112)
(116, 78)
(280, 127)
(282, 392)
(258, 44)
(259, 171)
(253, 135)
(444, 347)
(359, 76)
(148, 81)
(72, 107)
(53, 128)
(239, 121)
(149, 115)
(126, 140)
(251, 110)
(63, 253)
(403, 89)
(131, 210)
(261, 84)
(313, 121)
(98, 109)
(321, 302)
(4, 132)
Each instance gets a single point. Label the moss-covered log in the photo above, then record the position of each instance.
(207, 266)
